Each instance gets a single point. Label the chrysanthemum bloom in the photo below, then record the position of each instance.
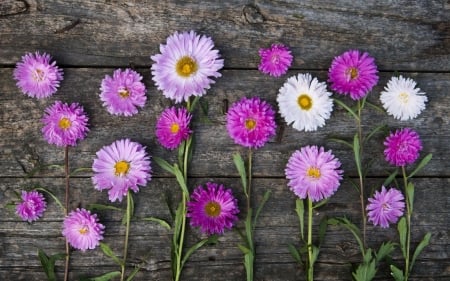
(314, 173)
(32, 206)
(123, 93)
(36, 76)
(213, 208)
(185, 66)
(121, 166)
(83, 230)
(385, 207)
(402, 147)
(353, 73)
(64, 124)
(305, 102)
(275, 60)
(251, 122)
(173, 127)
(401, 99)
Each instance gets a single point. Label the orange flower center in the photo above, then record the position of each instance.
(352, 72)
(124, 93)
(38, 75)
(174, 128)
(250, 124)
(186, 66)
(83, 230)
(304, 101)
(121, 168)
(64, 123)
(313, 172)
(212, 209)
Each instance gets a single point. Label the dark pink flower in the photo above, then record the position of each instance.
(173, 127)
(385, 207)
(275, 60)
(83, 230)
(32, 206)
(402, 147)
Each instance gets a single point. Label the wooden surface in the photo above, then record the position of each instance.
(91, 38)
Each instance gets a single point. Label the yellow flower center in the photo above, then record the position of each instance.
(352, 72)
(38, 75)
(250, 124)
(212, 209)
(122, 168)
(404, 97)
(304, 101)
(124, 93)
(83, 230)
(186, 66)
(64, 123)
(174, 128)
(313, 172)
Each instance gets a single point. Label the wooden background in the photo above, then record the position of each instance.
(90, 39)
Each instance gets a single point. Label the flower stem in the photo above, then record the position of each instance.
(310, 246)
(127, 233)
(408, 223)
(361, 176)
(250, 257)
(66, 209)
(249, 183)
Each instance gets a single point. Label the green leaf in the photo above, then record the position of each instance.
(163, 164)
(390, 178)
(397, 273)
(243, 249)
(240, 166)
(161, 222)
(133, 273)
(422, 164)
(210, 240)
(321, 203)
(365, 271)
(352, 112)
(425, 241)
(180, 179)
(300, 210)
(248, 263)
(181, 149)
(357, 151)
(346, 143)
(352, 228)
(315, 254)
(410, 194)
(260, 207)
(401, 227)
(374, 131)
(249, 229)
(385, 250)
(48, 263)
(322, 230)
(103, 207)
(109, 252)
(105, 277)
(76, 171)
(376, 107)
(177, 226)
(295, 254)
(53, 196)
(191, 107)
(42, 167)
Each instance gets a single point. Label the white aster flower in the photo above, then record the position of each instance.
(305, 102)
(401, 99)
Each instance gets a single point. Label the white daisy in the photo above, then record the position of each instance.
(401, 99)
(305, 102)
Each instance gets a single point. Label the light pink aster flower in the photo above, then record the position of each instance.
(353, 73)
(275, 60)
(123, 93)
(185, 66)
(121, 166)
(402, 147)
(83, 230)
(64, 124)
(314, 173)
(213, 208)
(251, 122)
(173, 127)
(385, 207)
(36, 76)
(32, 206)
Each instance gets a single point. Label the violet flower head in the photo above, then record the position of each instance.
(37, 76)
(353, 73)
(276, 60)
(402, 147)
(121, 166)
(251, 122)
(32, 207)
(314, 173)
(385, 207)
(213, 208)
(83, 230)
(172, 127)
(64, 124)
(123, 93)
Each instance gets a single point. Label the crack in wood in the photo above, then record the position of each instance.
(68, 27)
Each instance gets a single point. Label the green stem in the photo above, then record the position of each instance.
(408, 223)
(127, 233)
(249, 183)
(310, 246)
(66, 209)
(361, 176)
(251, 255)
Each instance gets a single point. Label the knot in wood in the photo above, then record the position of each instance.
(252, 14)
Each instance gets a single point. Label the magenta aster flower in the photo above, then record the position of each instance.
(123, 93)
(213, 208)
(32, 206)
(121, 166)
(402, 147)
(385, 207)
(275, 60)
(64, 124)
(314, 173)
(353, 73)
(83, 230)
(251, 122)
(36, 76)
(173, 127)
(185, 66)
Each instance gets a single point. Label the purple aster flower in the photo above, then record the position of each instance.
(385, 207)
(83, 230)
(353, 73)
(275, 60)
(36, 76)
(173, 127)
(314, 173)
(402, 147)
(32, 206)
(121, 166)
(251, 122)
(123, 93)
(213, 208)
(185, 66)
(64, 124)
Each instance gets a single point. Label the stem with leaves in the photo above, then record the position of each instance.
(310, 246)
(128, 215)
(66, 209)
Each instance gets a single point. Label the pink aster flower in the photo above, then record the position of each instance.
(64, 124)
(314, 173)
(123, 93)
(251, 122)
(275, 60)
(402, 147)
(121, 166)
(173, 127)
(213, 208)
(185, 66)
(353, 73)
(385, 207)
(32, 206)
(83, 230)
(36, 76)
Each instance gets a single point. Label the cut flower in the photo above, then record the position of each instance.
(32, 206)
(172, 127)
(385, 207)
(83, 230)
(276, 60)
(402, 147)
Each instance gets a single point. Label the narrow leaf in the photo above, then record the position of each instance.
(46, 265)
(51, 195)
(374, 131)
(295, 254)
(109, 252)
(103, 207)
(346, 143)
(357, 151)
(397, 273)
(410, 194)
(422, 164)
(352, 228)
(78, 170)
(315, 254)
(180, 179)
(196, 246)
(376, 107)
(351, 111)
(163, 164)
(133, 273)
(390, 178)
(240, 166)
(181, 149)
(401, 227)
(161, 222)
(385, 250)
(244, 249)
(260, 207)
(321, 203)
(300, 209)
(105, 277)
(425, 241)
(322, 230)
(249, 229)
(365, 271)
